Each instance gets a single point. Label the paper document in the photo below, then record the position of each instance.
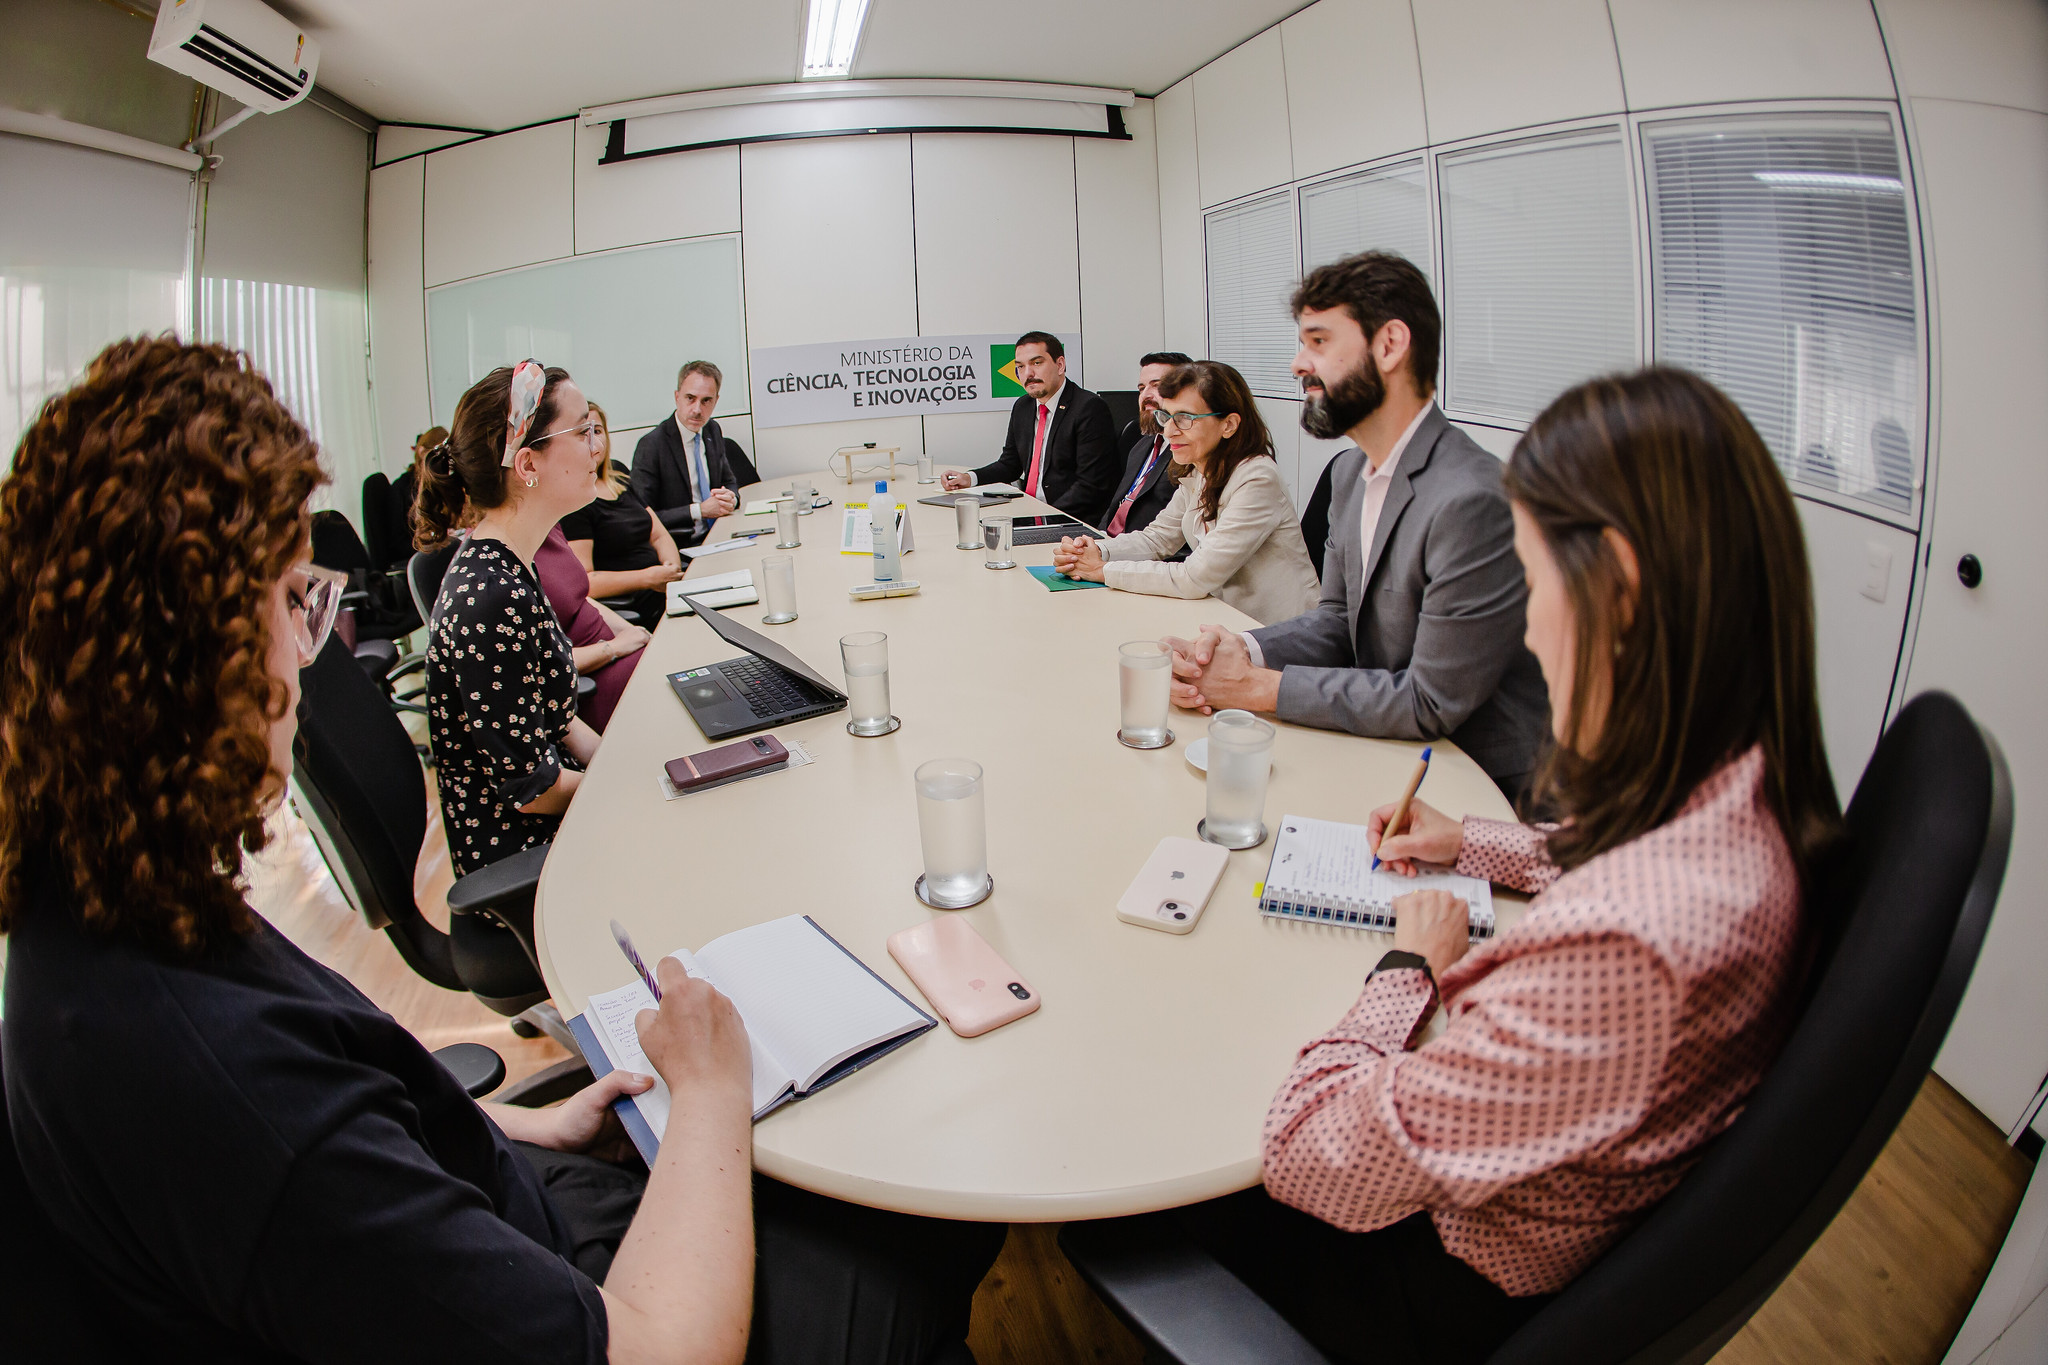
(699, 551)
(857, 532)
(1322, 870)
(733, 589)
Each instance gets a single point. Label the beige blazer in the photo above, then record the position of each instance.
(1253, 557)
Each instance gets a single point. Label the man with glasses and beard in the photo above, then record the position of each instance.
(1419, 631)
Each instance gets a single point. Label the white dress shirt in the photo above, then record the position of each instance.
(1376, 481)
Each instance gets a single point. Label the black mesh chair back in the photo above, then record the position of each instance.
(423, 575)
(377, 540)
(1315, 519)
(385, 614)
(742, 467)
(1897, 925)
(1123, 413)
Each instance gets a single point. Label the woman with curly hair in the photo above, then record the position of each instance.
(251, 1161)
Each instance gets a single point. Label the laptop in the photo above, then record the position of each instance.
(768, 686)
(1049, 530)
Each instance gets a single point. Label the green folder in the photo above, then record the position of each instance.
(1057, 581)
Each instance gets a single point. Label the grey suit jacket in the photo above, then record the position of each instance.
(1419, 636)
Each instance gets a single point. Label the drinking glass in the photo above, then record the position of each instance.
(787, 537)
(954, 832)
(780, 573)
(806, 494)
(967, 511)
(1145, 679)
(1240, 760)
(924, 469)
(865, 656)
(995, 536)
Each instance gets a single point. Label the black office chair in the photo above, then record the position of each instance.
(382, 615)
(1898, 922)
(387, 528)
(1123, 413)
(742, 467)
(364, 797)
(1315, 519)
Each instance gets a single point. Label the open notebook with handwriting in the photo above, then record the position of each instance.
(1322, 870)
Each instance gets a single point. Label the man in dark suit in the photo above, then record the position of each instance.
(1145, 488)
(1062, 444)
(683, 468)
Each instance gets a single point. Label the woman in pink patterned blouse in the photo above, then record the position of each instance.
(1590, 1052)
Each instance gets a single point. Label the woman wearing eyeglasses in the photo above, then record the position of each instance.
(501, 675)
(1231, 513)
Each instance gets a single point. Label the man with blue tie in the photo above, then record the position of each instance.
(681, 468)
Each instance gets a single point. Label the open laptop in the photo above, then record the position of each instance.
(1049, 529)
(767, 687)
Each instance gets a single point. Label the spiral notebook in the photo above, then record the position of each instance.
(1322, 870)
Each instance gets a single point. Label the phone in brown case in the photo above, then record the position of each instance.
(727, 763)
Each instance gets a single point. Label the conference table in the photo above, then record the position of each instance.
(1142, 1080)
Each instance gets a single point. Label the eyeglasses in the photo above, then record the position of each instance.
(1184, 420)
(314, 592)
(586, 429)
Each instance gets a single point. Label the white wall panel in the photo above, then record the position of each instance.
(967, 439)
(395, 140)
(398, 310)
(1684, 52)
(1354, 83)
(1283, 419)
(683, 194)
(1497, 441)
(1491, 65)
(1991, 51)
(1984, 174)
(1241, 120)
(805, 449)
(996, 249)
(1315, 454)
(1183, 305)
(827, 240)
(1116, 200)
(1862, 574)
(500, 202)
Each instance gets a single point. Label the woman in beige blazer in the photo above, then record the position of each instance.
(1231, 511)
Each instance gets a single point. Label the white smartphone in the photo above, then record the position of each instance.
(1172, 888)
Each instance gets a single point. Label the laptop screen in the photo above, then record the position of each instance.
(752, 641)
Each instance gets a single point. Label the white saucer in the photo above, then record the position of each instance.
(1197, 755)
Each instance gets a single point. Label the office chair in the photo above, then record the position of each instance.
(382, 618)
(742, 467)
(1897, 923)
(363, 794)
(53, 1307)
(1123, 416)
(1315, 519)
(387, 524)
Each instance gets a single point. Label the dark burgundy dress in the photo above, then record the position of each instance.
(567, 584)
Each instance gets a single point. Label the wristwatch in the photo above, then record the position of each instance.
(1394, 959)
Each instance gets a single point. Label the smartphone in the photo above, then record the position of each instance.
(1174, 885)
(727, 763)
(967, 981)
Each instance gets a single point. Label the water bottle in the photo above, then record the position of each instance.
(882, 522)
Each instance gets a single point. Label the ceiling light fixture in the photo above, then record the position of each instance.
(831, 36)
(1831, 181)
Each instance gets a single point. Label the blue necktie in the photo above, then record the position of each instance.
(700, 477)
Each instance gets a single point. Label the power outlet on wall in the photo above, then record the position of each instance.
(1877, 571)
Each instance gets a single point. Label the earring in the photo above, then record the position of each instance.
(530, 483)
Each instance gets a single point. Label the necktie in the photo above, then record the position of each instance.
(700, 477)
(1123, 511)
(1037, 451)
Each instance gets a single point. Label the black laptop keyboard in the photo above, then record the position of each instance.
(1050, 535)
(770, 691)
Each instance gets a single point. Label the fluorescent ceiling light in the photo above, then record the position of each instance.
(831, 37)
(1822, 180)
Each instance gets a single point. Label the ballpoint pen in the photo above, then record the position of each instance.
(1400, 816)
(625, 942)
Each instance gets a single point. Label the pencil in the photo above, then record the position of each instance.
(1399, 818)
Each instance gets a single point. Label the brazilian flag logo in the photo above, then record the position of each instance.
(1002, 361)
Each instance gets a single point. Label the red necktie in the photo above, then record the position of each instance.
(1037, 451)
(1123, 511)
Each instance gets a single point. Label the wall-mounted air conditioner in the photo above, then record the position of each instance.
(241, 48)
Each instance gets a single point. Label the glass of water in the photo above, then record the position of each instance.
(1145, 678)
(967, 511)
(1240, 760)
(865, 656)
(806, 494)
(924, 468)
(954, 832)
(787, 536)
(995, 537)
(780, 573)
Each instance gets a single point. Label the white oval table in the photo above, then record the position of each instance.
(1142, 1080)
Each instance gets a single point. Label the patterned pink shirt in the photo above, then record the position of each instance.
(1590, 1051)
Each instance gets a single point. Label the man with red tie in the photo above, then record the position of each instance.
(1148, 480)
(1062, 441)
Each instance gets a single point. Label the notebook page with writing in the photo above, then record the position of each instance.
(612, 1014)
(1322, 870)
(816, 1005)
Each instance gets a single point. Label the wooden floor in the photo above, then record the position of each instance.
(1887, 1284)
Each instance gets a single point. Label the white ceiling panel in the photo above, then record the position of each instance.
(497, 64)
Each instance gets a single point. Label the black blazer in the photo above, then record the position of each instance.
(1153, 494)
(1081, 461)
(661, 476)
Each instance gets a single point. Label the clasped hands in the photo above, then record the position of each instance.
(721, 502)
(1078, 557)
(1214, 672)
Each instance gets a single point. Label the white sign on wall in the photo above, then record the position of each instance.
(899, 377)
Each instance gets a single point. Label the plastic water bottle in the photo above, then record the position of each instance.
(882, 522)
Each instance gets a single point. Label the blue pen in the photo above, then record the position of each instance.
(1400, 815)
(625, 942)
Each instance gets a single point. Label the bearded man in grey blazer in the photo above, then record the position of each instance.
(1418, 634)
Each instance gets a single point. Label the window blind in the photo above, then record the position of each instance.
(1781, 268)
(1251, 274)
(1538, 276)
(1378, 210)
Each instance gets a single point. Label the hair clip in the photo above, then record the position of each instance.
(529, 381)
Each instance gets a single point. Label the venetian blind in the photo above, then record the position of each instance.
(1781, 268)
(1251, 274)
(1538, 275)
(1378, 210)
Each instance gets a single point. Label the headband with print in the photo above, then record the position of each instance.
(529, 381)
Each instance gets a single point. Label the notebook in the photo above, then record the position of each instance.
(1322, 870)
(1057, 581)
(734, 589)
(815, 1014)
